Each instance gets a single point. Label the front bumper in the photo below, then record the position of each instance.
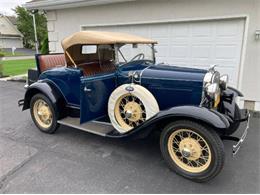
(240, 140)
(245, 116)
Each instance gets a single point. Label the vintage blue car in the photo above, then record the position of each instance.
(109, 84)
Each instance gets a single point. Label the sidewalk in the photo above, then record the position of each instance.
(20, 77)
(18, 57)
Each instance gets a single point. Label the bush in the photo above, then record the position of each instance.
(45, 46)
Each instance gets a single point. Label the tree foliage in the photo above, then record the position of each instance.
(45, 46)
(25, 26)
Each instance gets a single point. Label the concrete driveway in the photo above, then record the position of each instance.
(72, 161)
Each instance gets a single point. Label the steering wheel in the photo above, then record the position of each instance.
(138, 57)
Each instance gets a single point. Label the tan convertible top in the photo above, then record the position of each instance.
(100, 37)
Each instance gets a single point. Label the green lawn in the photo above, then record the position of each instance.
(16, 67)
(9, 54)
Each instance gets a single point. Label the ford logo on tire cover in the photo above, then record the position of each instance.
(129, 88)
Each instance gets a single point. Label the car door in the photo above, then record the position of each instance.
(94, 95)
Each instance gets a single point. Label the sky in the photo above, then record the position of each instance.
(6, 6)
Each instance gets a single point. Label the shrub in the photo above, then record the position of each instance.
(45, 46)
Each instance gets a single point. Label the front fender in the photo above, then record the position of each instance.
(211, 117)
(199, 114)
(48, 89)
(228, 103)
(235, 91)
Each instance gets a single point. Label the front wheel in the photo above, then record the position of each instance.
(192, 150)
(44, 113)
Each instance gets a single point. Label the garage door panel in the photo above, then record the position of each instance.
(226, 52)
(179, 31)
(203, 29)
(201, 51)
(160, 31)
(232, 28)
(161, 41)
(162, 51)
(179, 51)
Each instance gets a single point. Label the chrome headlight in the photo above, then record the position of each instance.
(223, 81)
(212, 89)
(211, 85)
(211, 77)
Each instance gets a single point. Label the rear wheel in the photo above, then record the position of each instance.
(44, 113)
(192, 150)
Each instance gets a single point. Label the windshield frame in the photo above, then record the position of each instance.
(119, 53)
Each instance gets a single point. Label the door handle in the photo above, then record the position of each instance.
(87, 89)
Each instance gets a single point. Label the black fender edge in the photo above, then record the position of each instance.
(237, 93)
(212, 118)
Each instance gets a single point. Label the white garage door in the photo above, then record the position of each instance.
(11, 42)
(194, 44)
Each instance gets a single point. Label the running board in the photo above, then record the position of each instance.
(95, 127)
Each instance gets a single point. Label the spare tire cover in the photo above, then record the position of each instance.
(130, 105)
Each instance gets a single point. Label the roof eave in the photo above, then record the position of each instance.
(63, 4)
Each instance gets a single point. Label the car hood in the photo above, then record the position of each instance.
(161, 71)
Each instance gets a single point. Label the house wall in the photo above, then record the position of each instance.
(62, 23)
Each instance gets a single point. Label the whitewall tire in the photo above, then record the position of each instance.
(130, 105)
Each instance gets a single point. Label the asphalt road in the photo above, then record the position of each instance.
(73, 161)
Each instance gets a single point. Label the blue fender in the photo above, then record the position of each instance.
(212, 118)
(47, 88)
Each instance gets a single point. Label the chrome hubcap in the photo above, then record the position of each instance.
(129, 111)
(189, 150)
(42, 113)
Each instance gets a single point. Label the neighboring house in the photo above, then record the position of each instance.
(10, 36)
(13, 20)
(192, 33)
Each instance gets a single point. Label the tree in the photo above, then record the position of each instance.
(25, 26)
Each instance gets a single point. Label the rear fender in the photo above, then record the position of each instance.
(47, 88)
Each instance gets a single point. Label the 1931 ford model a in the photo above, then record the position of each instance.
(109, 84)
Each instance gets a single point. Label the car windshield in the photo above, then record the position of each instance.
(133, 52)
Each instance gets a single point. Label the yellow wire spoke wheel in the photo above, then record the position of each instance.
(189, 150)
(42, 114)
(129, 111)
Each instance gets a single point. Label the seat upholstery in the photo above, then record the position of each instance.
(93, 68)
(47, 62)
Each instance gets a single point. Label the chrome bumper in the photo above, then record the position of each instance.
(237, 146)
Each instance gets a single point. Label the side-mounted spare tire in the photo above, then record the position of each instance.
(130, 105)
